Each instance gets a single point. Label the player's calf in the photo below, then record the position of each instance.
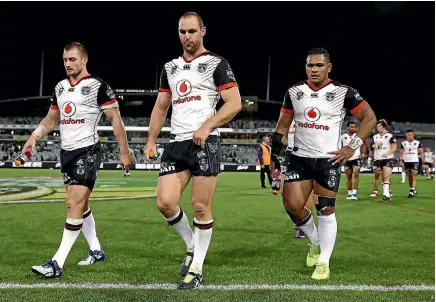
(77, 195)
(327, 229)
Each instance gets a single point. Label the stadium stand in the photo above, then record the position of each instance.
(238, 148)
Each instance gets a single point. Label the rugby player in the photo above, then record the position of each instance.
(410, 152)
(383, 148)
(352, 166)
(318, 106)
(77, 105)
(428, 162)
(192, 84)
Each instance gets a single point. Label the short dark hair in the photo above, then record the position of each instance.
(350, 123)
(383, 123)
(319, 51)
(409, 130)
(79, 46)
(193, 14)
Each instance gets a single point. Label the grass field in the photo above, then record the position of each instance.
(383, 244)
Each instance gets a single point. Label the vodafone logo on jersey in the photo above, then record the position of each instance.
(68, 110)
(312, 114)
(183, 89)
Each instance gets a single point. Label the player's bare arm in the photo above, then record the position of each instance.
(157, 120)
(401, 155)
(421, 154)
(232, 106)
(282, 129)
(392, 151)
(363, 150)
(114, 116)
(368, 121)
(46, 126)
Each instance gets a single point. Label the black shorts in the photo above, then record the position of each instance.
(352, 163)
(411, 166)
(81, 166)
(430, 165)
(380, 164)
(186, 155)
(323, 172)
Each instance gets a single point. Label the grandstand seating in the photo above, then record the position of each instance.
(233, 152)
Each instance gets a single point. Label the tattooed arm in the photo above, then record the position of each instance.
(361, 110)
(367, 119)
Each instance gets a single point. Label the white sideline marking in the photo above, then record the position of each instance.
(63, 200)
(169, 286)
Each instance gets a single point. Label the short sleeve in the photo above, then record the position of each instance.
(402, 145)
(392, 140)
(287, 104)
(353, 102)
(54, 101)
(54, 98)
(420, 145)
(164, 86)
(223, 76)
(106, 97)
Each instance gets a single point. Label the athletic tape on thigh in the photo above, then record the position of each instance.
(324, 202)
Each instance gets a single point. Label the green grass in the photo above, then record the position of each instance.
(378, 243)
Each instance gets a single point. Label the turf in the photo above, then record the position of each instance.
(378, 243)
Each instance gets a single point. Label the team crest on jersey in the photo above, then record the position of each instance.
(202, 67)
(86, 90)
(173, 69)
(300, 95)
(330, 96)
(187, 67)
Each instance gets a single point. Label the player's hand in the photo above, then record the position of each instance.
(340, 157)
(362, 155)
(262, 166)
(125, 161)
(201, 135)
(272, 170)
(150, 150)
(29, 145)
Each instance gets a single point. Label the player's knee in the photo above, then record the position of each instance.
(201, 207)
(325, 205)
(165, 205)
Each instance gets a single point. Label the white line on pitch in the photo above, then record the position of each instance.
(169, 286)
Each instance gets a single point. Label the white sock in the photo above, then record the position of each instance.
(327, 229)
(386, 189)
(181, 224)
(310, 230)
(88, 230)
(202, 237)
(350, 192)
(71, 232)
(354, 192)
(403, 176)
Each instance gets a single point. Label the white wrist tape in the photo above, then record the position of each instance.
(40, 131)
(355, 143)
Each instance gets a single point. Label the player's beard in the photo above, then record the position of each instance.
(73, 73)
(194, 46)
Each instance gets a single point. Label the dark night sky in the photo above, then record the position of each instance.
(385, 51)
